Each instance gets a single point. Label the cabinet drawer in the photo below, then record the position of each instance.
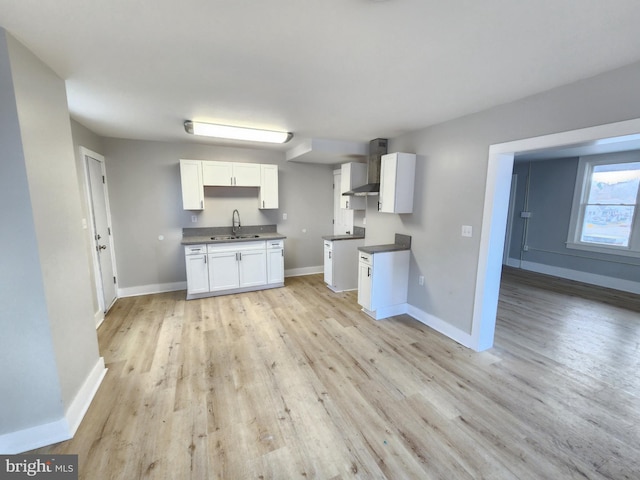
(235, 246)
(365, 258)
(275, 243)
(195, 249)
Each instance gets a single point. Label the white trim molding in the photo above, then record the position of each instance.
(300, 272)
(439, 325)
(584, 277)
(150, 289)
(61, 429)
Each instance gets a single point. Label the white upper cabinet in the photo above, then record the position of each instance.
(197, 174)
(353, 175)
(397, 178)
(191, 180)
(230, 174)
(268, 186)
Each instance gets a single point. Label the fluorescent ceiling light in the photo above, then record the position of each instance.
(236, 133)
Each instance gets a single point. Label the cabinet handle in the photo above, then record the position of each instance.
(347, 203)
(262, 203)
(240, 253)
(201, 203)
(368, 271)
(205, 259)
(329, 253)
(282, 252)
(379, 204)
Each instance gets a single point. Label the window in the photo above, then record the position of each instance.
(605, 216)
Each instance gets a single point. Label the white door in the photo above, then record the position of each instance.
(342, 218)
(101, 230)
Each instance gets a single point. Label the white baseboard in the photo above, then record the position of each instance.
(584, 277)
(175, 286)
(150, 289)
(98, 317)
(299, 272)
(439, 325)
(386, 312)
(59, 430)
(514, 262)
(34, 437)
(80, 404)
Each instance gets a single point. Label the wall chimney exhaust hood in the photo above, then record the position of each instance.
(377, 148)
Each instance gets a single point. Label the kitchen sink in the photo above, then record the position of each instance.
(233, 237)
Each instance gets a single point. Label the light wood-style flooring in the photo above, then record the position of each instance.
(297, 383)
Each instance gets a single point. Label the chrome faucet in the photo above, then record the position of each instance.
(235, 228)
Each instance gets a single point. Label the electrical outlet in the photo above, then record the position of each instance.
(467, 231)
(421, 280)
(284, 216)
(194, 219)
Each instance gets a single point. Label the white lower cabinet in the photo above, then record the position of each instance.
(275, 262)
(341, 264)
(233, 267)
(383, 281)
(197, 269)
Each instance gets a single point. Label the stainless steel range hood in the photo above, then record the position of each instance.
(377, 148)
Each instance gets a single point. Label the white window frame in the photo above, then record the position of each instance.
(581, 192)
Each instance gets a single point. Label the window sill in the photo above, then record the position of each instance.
(620, 251)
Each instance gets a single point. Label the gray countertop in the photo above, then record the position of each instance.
(333, 238)
(391, 247)
(251, 233)
(402, 242)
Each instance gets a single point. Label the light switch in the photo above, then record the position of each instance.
(194, 218)
(467, 231)
(284, 216)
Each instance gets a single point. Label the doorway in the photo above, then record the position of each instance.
(496, 205)
(101, 231)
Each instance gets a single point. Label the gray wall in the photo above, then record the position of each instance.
(145, 196)
(48, 343)
(551, 187)
(451, 176)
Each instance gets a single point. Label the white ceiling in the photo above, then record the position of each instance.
(347, 70)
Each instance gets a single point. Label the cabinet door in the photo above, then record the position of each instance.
(275, 265)
(191, 182)
(397, 179)
(328, 265)
(246, 174)
(197, 273)
(387, 183)
(217, 174)
(268, 186)
(253, 268)
(353, 175)
(223, 271)
(365, 281)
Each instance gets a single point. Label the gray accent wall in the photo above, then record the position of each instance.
(551, 188)
(146, 203)
(48, 345)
